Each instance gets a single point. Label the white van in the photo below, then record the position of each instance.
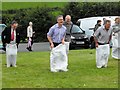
(88, 24)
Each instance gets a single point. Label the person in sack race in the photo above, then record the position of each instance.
(56, 36)
(102, 37)
(12, 39)
(30, 36)
(116, 39)
(68, 24)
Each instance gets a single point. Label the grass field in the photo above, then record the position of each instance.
(33, 72)
(22, 5)
(33, 68)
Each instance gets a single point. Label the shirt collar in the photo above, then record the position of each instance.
(104, 28)
(58, 25)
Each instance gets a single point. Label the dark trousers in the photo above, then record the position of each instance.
(56, 44)
(4, 46)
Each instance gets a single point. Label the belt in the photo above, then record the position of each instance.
(102, 43)
(57, 43)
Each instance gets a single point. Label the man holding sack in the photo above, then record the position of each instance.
(58, 57)
(11, 36)
(116, 39)
(102, 37)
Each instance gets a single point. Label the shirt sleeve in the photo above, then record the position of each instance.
(97, 33)
(111, 30)
(65, 32)
(50, 33)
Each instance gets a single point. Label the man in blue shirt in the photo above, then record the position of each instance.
(57, 33)
(58, 56)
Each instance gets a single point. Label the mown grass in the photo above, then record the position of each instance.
(33, 72)
(24, 5)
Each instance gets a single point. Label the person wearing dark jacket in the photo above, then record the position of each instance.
(6, 35)
(97, 25)
(95, 28)
(11, 38)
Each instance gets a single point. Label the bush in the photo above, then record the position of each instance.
(42, 18)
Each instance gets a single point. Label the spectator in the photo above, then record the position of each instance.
(97, 25)
(30, 36)
(68, 24)
(95, 28)
(104, 20)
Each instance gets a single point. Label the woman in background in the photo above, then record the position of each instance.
(30, 36)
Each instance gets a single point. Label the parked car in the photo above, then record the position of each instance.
(2, 27)
(88, 24)
(78, 38)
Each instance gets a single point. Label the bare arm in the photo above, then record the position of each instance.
(50, 40)
(109, 39)
(63, 40)
(96, 41)
(96, 34)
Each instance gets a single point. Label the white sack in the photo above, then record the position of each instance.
(102, 54)
(58, 58)
(67, 47)
(11, 49)
(116, 46)
(11, 55)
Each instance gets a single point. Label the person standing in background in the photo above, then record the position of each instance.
(104, 20)
(68, 24)
(30, 36)
(95, 28)
(97, 25)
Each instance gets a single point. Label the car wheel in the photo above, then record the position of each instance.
(71, 47)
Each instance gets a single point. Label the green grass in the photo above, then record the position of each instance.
(22, 5)
(33, 72)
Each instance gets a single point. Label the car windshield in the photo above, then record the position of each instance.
(76, 29)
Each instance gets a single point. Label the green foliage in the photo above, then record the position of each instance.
(42, 18)
(26, 5)
(91, 9)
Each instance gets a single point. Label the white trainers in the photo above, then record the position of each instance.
(99, 67)
(54, 71)
(15, 66)
(64, 70)
(104, 66)
(8, 66)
